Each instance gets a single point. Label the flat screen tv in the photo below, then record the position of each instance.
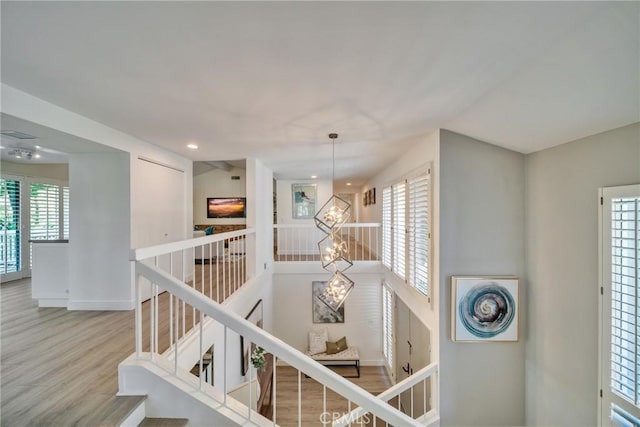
(226, 207)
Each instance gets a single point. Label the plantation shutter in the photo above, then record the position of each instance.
(45, 211)
(386, 227)
(620, 308)
(419, 236)
(387, 325)
(625, 263)
(65, 212)
(399, 229)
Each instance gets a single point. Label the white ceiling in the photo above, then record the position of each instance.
(271, 79)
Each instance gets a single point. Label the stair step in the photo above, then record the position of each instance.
(113, 411)
(163, 422)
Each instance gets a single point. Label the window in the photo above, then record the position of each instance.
(387, 325)
(406, 236)
(9, 226)
(620, 293)
(419, 236)
(399, 229)
(45, 211)
(386, 227)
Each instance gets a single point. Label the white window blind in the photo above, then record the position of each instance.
(399, 229)
(386, 227)
(625, 288)
(45, 211)
(387, 325)
(419, 236)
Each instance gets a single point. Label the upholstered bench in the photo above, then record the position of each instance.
(345, 357)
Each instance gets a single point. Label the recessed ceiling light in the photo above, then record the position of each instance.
(314, 176)
(38, 147)
(348, 184)
(37, 156)
(193, 146)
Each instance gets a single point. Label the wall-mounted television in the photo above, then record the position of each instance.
(226, 207)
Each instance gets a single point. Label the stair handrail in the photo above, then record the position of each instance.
(390, 393)
(277, 347)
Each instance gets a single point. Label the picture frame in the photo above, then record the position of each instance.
(226, 207)
(372, 196)
(365, 198)
(485, 308)
(247, 347)
(303, 200)
(322, 313)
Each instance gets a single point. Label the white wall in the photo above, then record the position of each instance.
(481, 233)
(284, 200)
(292, 320)
(27, 107)
(217, 183)
(562, 270)
(58, 172)
(99, 234)
(259, 217)
(304, 240)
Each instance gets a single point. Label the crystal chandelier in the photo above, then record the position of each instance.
(334, 252)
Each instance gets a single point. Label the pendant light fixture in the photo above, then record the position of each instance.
(334, 252)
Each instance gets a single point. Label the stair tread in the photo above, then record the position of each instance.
(163, 422)
(113, 411)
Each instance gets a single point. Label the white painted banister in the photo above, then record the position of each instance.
(299, 242)
(408, 383)
(166, 248)
(278, 348)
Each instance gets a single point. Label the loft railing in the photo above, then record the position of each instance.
(214, 265)
(299, 242)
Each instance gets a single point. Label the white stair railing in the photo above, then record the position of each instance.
(184, 296)
(422, 383)
(215, 265)
(299, 242)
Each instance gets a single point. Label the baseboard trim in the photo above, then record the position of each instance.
(52, 302)
(122, 305)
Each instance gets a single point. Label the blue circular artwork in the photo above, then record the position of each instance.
(487, 310)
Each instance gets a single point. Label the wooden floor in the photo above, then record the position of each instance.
(373, 379)
(59, 367)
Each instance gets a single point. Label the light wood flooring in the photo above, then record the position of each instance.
(373, 379)
(59, 367)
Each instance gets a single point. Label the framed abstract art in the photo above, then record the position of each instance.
(484, 308)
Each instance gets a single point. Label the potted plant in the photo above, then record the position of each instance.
(258, 357)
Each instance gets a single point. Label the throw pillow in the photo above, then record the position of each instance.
(209, 230)
(317, 341)
(337, 347)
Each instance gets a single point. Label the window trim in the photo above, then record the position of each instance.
(606, 396)
(407, 252)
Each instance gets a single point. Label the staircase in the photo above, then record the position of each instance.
(162, 364)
